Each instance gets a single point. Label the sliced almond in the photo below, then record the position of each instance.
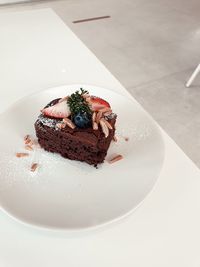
(69, 123)
(95, 125)
(98, 116)
(27, 139)
(107, 123)
(61, 125)
(115, 138)
(34, 166)
(28, 147)
(104, 128)
(22, 155)
(31, 143)
(115, 158)
(94, 116)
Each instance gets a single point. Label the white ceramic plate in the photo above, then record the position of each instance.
(65, 194)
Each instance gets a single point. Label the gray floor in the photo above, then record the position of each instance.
(151, 47)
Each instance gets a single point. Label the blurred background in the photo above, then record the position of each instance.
(152, 47)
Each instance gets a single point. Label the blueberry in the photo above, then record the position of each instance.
(82, 120)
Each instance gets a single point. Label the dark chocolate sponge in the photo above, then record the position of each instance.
(86, 145)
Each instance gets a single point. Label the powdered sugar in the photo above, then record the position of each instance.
(47, 121)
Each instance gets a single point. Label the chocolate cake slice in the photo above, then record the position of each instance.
(82, 135)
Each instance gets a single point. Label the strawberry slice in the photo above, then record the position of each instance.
(97, 103)
(59, 110)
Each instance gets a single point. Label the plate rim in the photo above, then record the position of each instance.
(118, 218)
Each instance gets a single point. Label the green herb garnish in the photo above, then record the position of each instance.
(78, 104)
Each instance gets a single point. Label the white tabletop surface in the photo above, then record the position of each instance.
(38, 51)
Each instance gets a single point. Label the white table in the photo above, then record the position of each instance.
(38, 51)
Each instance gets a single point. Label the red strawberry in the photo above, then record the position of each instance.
(59, 110)
(97, 103)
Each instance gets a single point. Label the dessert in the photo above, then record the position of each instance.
(79, 127)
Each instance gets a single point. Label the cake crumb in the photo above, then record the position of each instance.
(34, 166)
(126, 139)
(115, 159)
(69, 123)
(21, 155)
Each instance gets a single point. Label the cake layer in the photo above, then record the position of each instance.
(86, 145)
